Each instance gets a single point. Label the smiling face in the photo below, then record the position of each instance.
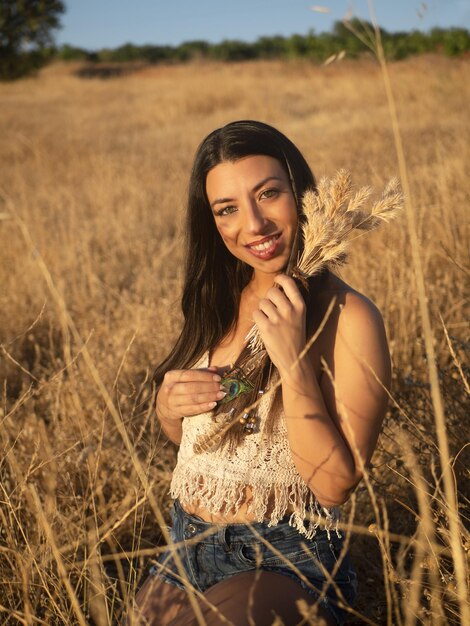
(254, 210)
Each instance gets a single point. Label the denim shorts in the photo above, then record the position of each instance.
(227, 550)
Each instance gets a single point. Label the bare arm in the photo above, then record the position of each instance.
(184, 393)
(332, 426)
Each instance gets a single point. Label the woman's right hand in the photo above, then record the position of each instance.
(188, 392)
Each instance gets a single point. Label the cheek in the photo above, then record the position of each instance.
(293, 220)
(227, 234)
(293, 215)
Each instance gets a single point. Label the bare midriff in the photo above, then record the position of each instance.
(241, 516)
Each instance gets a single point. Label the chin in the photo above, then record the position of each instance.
(274, 266)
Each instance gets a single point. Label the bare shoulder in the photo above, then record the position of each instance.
(360, 338)
(350, 307)
(357, 312)
(355, 324)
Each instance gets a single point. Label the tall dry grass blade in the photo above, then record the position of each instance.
(68, 323)
(18, 365)
(393, 606)
(425, 535)
(428, 336)
(455, 359)
(44, 524)
(97, 599)
(358, 460)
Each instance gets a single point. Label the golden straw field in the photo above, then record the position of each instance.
(93, 177)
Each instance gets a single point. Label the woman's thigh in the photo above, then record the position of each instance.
(254, 598)
(157, 603)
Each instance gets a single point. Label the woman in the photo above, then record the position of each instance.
(255, 509)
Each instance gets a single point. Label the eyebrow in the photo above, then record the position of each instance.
(255, 188)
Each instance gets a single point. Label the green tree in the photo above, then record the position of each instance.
(26, 34)
(72, 53)
(296, 46)
(191, 50)
(270, 47)
(456, 41)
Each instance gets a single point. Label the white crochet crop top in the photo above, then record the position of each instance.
(217, 479)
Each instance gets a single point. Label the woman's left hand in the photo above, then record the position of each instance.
(281, 322)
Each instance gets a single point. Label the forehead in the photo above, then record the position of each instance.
(245, 173)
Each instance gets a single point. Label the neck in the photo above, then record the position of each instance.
(260, 283)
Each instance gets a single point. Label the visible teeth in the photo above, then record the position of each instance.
(265, 245)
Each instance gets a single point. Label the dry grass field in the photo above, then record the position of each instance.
(93, 176)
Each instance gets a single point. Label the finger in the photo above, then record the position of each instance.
(269, 309)
(260, 319)
(290, 289)
(190, 409)
(191, 389)
(190, 403)
(198, 409)
(197, 400)
(193, 400)
(196, 375)
(187, 375)
(279, 299)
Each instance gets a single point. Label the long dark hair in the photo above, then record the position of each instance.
(214, 278)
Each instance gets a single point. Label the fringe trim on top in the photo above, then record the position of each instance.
(219, 496)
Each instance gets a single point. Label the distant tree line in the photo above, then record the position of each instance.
(26, 43)
(316, 47)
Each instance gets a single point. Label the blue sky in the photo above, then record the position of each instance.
(93, 24)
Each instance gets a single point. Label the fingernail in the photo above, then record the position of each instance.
(212, 405)
(216, 378)
(221, 394)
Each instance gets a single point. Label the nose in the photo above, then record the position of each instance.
(255, 220)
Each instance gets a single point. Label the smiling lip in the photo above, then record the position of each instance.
(264, 248)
